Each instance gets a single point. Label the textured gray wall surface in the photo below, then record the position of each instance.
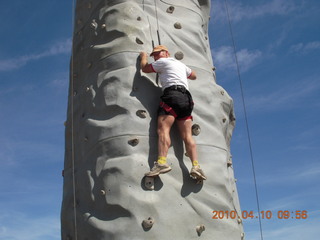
(109, 146)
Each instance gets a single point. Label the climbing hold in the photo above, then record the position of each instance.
(229, 163)
(239, 220)
(139, 18)
(89, 5)
(235, 180)
(199, 181)
(177, 25)
(149, 183)
(242, 236)
(222, 92)
(138, 41)
(224, 120)
(74, 93)
(196, 129)
(213, 68)
(89, 65)
(94, 24)
(142, 113)
(86, 139)
(134, 142)
(103, 192)
(170, 9)
(200, 229)
(148, 223)
(87, 89)
(193, 177)
(103, 26)
(178, 55)
(186, 154)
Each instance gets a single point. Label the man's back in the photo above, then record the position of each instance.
(171, 72)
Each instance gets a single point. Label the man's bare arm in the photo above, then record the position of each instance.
(145, 67)
(193, 76)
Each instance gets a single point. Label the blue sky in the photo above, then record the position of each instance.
(278, 49)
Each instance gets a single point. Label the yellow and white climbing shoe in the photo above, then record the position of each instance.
(197, 173)
(158, 169)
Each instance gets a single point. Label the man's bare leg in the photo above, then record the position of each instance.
(165, 123)
(186, 135)
(191, 147)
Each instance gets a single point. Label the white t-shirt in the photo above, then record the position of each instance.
(171, 72)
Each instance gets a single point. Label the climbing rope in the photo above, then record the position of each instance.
(72, 132)
(156, 10)
(158, 34)
(152, 42)
(246, 118)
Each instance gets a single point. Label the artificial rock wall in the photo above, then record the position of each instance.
(111, 138)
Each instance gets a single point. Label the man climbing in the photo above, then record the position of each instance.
(176, 104)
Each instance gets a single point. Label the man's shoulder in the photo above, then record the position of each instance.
(170, 60)
(163, 59)
(162, 62)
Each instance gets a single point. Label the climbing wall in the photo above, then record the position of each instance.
(111, 138)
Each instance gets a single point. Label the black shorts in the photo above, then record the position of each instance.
(176, 101)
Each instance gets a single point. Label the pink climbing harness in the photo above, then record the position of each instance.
(168, 109)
